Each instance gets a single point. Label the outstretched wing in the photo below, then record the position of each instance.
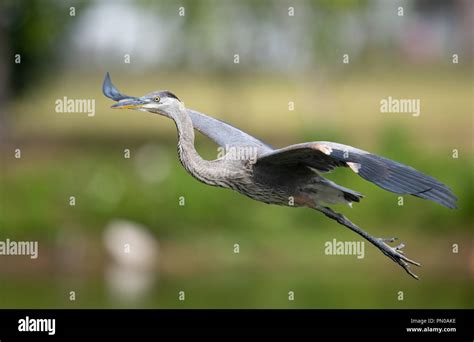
(220, 132)
(224, 134)
(387, 174)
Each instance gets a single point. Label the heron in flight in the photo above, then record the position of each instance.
(289, 176)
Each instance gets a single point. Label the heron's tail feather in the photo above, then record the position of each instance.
(352, 196)
(329, 192)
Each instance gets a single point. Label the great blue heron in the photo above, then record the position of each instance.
(289, 176)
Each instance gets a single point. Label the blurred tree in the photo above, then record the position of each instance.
(30, 32)
(32, 29)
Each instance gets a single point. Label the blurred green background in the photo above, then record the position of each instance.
(136, 201)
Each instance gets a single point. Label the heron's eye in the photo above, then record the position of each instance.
(156, 99)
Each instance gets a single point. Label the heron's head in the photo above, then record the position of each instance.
(158, 102)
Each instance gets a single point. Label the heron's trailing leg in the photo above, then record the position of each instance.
(394, 253)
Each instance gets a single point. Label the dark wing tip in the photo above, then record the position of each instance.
(439, 194)
(403, 179)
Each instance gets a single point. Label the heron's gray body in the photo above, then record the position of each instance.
(290, 176)
(285, 185)
(290, 186)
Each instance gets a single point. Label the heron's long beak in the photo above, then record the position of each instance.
(132, 103)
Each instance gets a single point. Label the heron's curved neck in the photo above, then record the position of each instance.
(204, 170)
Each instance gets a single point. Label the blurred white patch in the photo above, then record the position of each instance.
(128, 284)
(111, 28)
(152, 163)
(131, 245)
(133, 269)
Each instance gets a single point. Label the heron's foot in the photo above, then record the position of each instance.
(397, 255)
